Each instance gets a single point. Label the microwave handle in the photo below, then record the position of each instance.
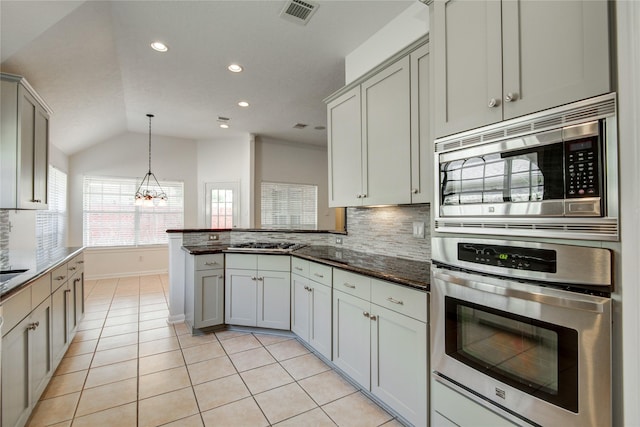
(596, 304)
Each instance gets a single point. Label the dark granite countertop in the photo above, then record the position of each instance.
(36, 262)
(415, 274)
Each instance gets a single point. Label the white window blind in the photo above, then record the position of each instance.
(110, 217)
(51, 225)
(289, 206)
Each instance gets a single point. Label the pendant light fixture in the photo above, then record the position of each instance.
(148, 194)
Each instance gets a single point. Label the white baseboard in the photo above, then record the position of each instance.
(126, 274)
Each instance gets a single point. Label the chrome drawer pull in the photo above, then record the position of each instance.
(33, 326)
(298, 268)
(318, 275)
(211, 263)
(349, 285)
(72, 268)
(395, 301)
(60, 277)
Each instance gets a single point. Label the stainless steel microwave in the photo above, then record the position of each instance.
(551, 174)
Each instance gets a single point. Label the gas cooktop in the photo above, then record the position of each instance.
(265, 246)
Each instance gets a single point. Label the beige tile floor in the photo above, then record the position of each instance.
(128, 367)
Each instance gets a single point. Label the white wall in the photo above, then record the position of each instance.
(280, 161)
(226, 160)
(406, 28)
(127, 156)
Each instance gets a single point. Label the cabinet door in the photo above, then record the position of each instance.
(386, 136)
(40, 156)
(467, 63)
(40, 349)
(240, 297)
(15, 375)
(274, 300)
(78, 301)
(345, 150)
(421, 139)
(28, 111)
(300, 306)
(399, 363)
(320, 319)
(209, 302)
(59, 322)
(554, 53)
(351, 337)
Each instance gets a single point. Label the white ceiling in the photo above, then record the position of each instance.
(92, 63)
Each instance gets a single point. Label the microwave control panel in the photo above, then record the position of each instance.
(582, 168)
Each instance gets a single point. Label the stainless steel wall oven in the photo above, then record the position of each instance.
(550, 174)
(524, 328)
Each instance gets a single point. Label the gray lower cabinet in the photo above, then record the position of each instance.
(60, 322)
(204, 290)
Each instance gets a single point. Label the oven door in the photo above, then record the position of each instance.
(539, 353)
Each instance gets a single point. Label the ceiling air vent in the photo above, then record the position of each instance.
(299, 11)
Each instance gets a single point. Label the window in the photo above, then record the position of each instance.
(289, 206)
(110, 217)
(51, 225)
(222, 204)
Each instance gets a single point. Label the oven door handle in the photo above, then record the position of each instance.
(580, 302)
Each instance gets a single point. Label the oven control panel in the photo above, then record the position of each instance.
(581, 163)
(543, 260)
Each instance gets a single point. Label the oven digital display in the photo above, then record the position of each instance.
(543, 260)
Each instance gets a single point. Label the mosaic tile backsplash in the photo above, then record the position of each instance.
(382, 231)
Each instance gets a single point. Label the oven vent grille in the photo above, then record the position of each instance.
(566, 115)
(583, 230)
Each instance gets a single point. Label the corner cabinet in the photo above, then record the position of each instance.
(375, 130)
(257, 290)
(311, 304)
(380, 340)
(497, 60)
(204, 290)
(24, 144)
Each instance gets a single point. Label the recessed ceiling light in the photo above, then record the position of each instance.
(235, 68)
(243, 103)
(159, 46)
(224, 126)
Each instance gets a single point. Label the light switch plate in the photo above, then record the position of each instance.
(418, 230)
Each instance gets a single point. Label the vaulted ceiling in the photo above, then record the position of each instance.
(92, 63)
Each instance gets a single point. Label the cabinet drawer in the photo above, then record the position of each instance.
(243, 261)
(351, 283)
(320, 273)
(15, 309)
(274, 262)
(209, 261)
(40, 290)
(407, 301)
(59, 276)
(76, 266)
(300, 266)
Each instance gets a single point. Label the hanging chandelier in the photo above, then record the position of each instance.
(148, 194)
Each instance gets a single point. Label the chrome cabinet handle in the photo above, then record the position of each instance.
(395, 301)
(261, 278)
(80, 262)
(359, 196)
(59, 277)
(365, 314)
(221, 276)
(414, 191)
(66, 291)
(298, 268)
(511, 97)
(364, 196)
(211, 263)
(306, 288)
(374, 318)
(33, 326)
(72, 268)
(493, 103)
(318, 275)
(349, 285)
(36, 201)
(254, 278)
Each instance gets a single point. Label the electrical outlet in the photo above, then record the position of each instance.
(418, 230)
(338, 240)
(214, 237)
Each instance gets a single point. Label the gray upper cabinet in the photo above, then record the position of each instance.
(386, 126)
(498, 60)
(25, 146)
(345, 150)
(421, 138)
(379, 135)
